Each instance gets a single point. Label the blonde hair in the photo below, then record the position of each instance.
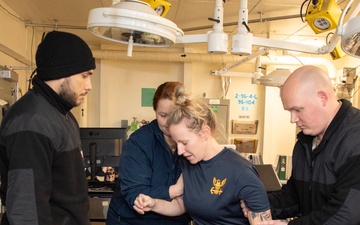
(196, 112)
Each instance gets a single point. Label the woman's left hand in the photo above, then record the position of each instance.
(143, 203)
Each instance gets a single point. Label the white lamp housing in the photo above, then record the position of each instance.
(218, 39)
(350, 40)
(217, 42)
(242, 40)
(242, 44)
(133, 18)
(275, 78)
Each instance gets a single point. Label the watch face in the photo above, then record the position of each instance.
(159, 9)
(322, 23)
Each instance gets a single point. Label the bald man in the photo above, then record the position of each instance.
(324, 187)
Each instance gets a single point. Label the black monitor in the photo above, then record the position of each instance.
(101, 147)
(268, 177)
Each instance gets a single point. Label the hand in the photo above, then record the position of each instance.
(273, 222)
(143, 203)
(244, 208)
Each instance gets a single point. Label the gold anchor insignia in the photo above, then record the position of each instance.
(217, 186)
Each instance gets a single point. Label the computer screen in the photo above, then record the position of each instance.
(101, 148)
(268, 177)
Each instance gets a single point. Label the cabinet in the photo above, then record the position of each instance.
(221, 109)
(98, 207)
(100, 194)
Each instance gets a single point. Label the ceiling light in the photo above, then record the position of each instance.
(350, 41)
(218, 39)
(275, 78)
(242, 40)
(133, 22)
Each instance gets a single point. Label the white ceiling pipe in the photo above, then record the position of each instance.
(166, 56)
(213, 58)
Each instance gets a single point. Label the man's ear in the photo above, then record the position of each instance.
(323, 97)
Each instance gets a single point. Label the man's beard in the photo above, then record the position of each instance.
(67, 93)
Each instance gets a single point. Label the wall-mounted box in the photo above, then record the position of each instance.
(9, 75)
(244, 127)
(246, 145)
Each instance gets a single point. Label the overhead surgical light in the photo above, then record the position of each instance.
(350, 42)
(243, 40)
(133, 22)
(217, 39)
(275, 78)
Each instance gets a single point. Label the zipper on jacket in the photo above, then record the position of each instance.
(311, 175)
(309, 161)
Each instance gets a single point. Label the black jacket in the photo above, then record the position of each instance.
(324, 187)
(42, 171)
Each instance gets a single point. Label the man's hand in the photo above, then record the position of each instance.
(244, 208)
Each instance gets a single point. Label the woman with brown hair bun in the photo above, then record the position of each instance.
(149, 164)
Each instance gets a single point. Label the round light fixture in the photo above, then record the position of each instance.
(134, 21)
(350, 40)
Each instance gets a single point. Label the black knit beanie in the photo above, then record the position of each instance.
(62, 54)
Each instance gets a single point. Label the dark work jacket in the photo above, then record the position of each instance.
(42, 171)
(324, 187)
(146, 166)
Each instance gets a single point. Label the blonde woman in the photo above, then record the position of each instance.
(215, 178)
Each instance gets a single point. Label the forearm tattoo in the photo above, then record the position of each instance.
(263, 216)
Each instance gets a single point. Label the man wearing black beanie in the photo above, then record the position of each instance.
(42, 172)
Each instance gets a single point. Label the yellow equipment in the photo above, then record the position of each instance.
(162, 7)
(337, 53)
(323, 16)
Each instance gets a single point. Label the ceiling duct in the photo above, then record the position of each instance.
(214, 58)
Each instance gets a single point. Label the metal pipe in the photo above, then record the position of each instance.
(55, 26)
(214, 58)
(261, 20)
(185, 29)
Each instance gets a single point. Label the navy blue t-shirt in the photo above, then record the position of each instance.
(213, 189)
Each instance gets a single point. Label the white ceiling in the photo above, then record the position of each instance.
(276, 19)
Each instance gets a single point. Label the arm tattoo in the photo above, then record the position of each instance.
(263, 216)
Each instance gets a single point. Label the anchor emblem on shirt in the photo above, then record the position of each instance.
(216, 189)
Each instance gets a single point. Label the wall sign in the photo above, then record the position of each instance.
(147, 94)
(245, 100)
